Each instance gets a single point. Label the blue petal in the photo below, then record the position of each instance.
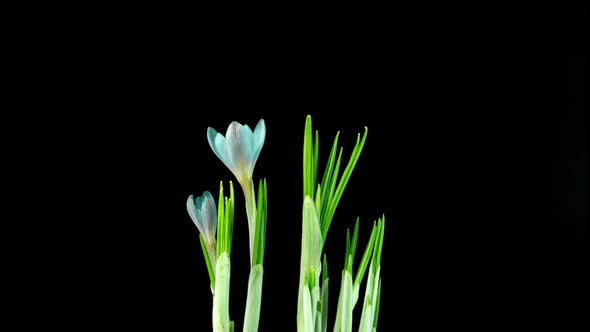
(219, 146)
(209, 213)
(194, 213)
(198, 203)
(211, 135)
(238, 149)
(247, 142)
(259, 136)
(247, 132)
(199, 213)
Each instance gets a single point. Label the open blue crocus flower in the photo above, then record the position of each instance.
(239, 148)
(203, 212)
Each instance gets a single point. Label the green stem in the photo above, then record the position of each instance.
(254, 299)
(221, 322)
(250, 200)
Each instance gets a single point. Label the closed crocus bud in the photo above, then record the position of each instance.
(203, 212)
(239, 148)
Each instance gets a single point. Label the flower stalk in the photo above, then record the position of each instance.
(216, 248)
(250, 200)
(239, 150)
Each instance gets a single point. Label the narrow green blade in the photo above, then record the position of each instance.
(260, 232)
(207, 262)
(344, 181)
(366, 257)
(327, 177)
(308, 160)
(377, 304)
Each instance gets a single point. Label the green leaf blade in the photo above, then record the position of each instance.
(207, 262)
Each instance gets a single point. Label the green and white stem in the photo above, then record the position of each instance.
(254, 297)
(239, 150)
(250, 200)
(221, 319)
(216, 228)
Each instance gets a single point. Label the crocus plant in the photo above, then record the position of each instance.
(319, 205)
(216, 249)
(239, 150)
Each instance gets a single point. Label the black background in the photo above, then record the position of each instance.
(476, 153)
(562, 153)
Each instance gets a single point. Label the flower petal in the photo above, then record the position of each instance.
(194, 213)
(219, 146)
(247, 133)
(259, 136)
(247, 138)
(238, 150)
(198, 203)
(234, 126)
(209, 213)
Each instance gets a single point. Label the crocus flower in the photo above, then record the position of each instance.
(203, 212)
(239, 148)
